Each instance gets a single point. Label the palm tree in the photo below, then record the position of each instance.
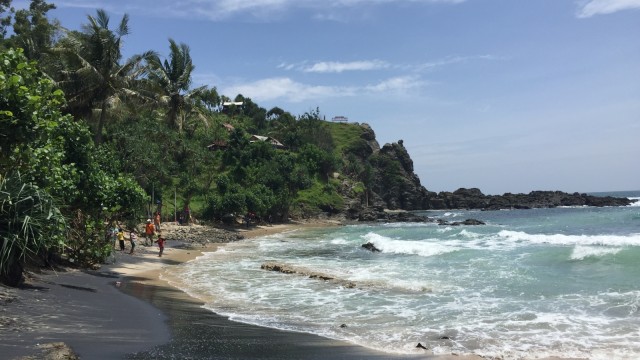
(90, 71)
(172, 82)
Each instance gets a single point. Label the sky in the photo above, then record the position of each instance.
(502, 95)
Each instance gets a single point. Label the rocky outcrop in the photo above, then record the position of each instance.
(475, 199)
(376, 214)
(289, 269)
(197, 234)
(392, 184)
(394, 180)
(301, 271)
(371, 247)
(370, 137)
(468, 222)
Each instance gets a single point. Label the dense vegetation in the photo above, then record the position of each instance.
(88, 138)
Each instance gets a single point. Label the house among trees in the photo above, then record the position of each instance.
(343, 119)
(277, 144)
(231, 107)
(218, 145)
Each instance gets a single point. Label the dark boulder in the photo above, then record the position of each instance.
(458, 223)
(369, 246)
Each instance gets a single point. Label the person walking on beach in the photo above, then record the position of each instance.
(149, 231)
(133, 237)
(121, 238)
(160, 242)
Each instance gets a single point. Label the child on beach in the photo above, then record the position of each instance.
(160, 242)
(121, 238)
(133, 237)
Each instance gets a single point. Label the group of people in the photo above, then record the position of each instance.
(118, 234)
(151, 230)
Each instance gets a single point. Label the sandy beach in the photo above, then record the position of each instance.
(124, 310)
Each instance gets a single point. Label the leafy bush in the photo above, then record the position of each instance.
(30, 223)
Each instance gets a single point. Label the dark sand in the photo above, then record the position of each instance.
(201, 334)
(84, 310)
(124, 311)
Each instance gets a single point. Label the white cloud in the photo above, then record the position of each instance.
(286, 89)
(396, 84)
(282, 88)
(336, 66)
(222, 9)
(366, 65)
(600, 7)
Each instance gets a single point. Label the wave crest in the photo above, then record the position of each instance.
(409, 247)
(561, 239)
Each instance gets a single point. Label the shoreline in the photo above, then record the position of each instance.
(125, 310)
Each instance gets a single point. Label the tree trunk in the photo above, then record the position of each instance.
(103, 117)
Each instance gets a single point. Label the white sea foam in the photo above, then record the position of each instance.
(581, 252)
(561, 239)
(637, 203)
(490, 290)
(421, 248)
(339, 241)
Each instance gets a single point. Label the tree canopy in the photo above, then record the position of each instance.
(105, 140)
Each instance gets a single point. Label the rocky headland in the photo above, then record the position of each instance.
(395, 186)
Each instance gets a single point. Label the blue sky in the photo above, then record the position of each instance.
(503, 95)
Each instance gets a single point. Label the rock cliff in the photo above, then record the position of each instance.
(394, 185)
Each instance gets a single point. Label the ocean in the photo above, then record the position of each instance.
(529, 284)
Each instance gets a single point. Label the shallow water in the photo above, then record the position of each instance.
(531, 283)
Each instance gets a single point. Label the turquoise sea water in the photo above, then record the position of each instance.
(529, 284)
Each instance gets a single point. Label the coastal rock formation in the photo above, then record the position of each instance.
(475, 199)
(199, 234)
(389, 181)
(394, 180)
(288, 269)
(371, 247)
(458, 223)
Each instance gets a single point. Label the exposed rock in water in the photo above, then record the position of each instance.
(288, 269)
(369, 246)
(380, 215)
(296, 270)
(458, 223)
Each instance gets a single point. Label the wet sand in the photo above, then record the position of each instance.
(124, 311)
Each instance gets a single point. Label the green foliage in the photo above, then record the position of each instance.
(88, 69)
(57, 155)
(32, 30)
(171, 81)
(6, 13)
(345, 136)
(30, 222)
(322, 196)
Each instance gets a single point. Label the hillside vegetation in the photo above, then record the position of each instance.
(90, 140)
